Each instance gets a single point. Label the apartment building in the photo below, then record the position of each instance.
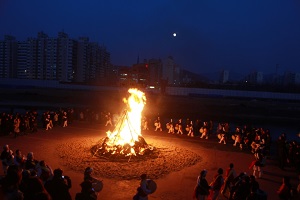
(54, 58)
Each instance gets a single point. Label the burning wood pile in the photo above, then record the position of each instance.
(126, 139)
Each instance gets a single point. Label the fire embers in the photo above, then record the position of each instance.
(140, 150)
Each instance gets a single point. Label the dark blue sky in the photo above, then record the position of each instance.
(239, 35)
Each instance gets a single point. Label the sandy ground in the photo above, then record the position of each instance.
(76, 155)
(68, 148)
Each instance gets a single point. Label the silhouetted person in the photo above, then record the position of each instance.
(202, 187)
(11, 183)
(58, 187)
(35, 190)
(216, 184)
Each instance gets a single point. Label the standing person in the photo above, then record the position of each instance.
(31, 163)
(157, 124)
(48, 122)
(180, 127)
(108, 120)
(191, 130)
(258, 163)
(19, 159)
(10, 184)
(237, 182)
(171, 127)
(284, 191)
(65, 119)
(145, 124)
(7, 158)
(44, 171)
(88, 175)
(229, 177)
(205, 133)
(202, 187)
(35, 190)
(204, 130)
(17, 122)
(216, 184)
(142, 190)
(96, 184)
(238, 138)
(81, 116)
(222, 136)
(58, 187)
(55, 119)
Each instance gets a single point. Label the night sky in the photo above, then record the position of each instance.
(241, 36)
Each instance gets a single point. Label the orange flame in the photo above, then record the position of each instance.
(128, 128)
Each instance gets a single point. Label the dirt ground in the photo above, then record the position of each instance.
(68, 148)
(176, 172)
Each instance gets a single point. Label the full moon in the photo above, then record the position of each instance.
(174, 34)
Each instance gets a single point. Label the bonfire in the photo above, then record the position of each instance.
(126, 139)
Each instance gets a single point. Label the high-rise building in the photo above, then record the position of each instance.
(23, 67)
(37, 58)
(65, 57)
(60, 58)
(51, 59)
(91, 63)
(8, 57)
(82, 61)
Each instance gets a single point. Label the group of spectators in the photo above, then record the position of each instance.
(17, 124)
(26, 178)
(240, 186)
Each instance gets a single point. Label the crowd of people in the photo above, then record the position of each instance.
(26, 178)
(18, 124)
(244, 137)
(230, 185)
(240, 186)
(23, 171)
